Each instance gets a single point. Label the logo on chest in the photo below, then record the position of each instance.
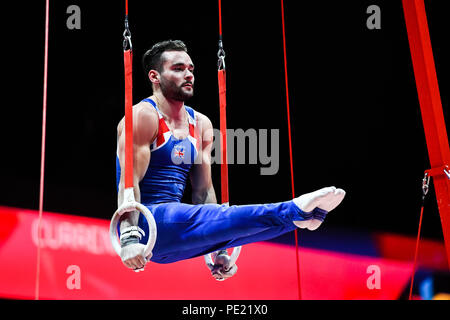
(179, 151)
(181, 154)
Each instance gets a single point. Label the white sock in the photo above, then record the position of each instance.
(307, 202)
(337, 198)
(326, 199)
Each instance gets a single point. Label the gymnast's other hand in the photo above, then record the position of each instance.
(220, 273)
(221, 270)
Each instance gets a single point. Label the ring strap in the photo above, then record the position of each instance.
(132, 231)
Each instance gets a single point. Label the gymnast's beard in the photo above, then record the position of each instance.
(171, 91)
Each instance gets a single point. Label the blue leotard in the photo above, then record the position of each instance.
(170, 162)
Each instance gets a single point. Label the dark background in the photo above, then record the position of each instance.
(354, 108)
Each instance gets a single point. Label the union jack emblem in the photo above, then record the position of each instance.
(179, 151)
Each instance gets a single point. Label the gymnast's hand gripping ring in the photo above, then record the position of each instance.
(129, 204)
(234, 256)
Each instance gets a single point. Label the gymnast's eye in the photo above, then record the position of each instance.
(178, 67)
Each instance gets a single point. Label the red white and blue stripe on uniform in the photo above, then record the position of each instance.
(164, 132)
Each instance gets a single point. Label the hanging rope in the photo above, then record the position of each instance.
(220, 20)
(128, 66)
(290, 144)
(44, 126)
(223, 114)
(415, 254)
(425, 188)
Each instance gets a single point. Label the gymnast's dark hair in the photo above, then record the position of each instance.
(152, 58)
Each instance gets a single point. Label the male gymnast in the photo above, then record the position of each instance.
(172, 143)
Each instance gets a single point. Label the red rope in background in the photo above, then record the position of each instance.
(416, 254)
(44, 125)
(290, 144)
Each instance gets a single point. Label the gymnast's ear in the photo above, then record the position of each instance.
(153, 76)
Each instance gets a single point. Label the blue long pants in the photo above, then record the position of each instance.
(186, 231)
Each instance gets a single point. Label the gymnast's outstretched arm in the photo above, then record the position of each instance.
(145, 129)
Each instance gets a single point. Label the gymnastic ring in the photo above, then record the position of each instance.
(128, 205)
(234, 256)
